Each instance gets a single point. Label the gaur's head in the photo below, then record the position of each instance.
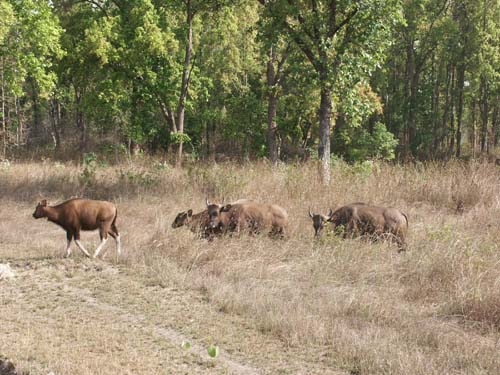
(319, 221)
(182, 218)
(215, 212)
(40, 209)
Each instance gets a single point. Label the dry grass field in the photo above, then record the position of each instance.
(292, 306)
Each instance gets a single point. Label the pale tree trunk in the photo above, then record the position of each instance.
(325, 114)
(483, 110)
(483, 89)
(451, 140)
(461, 16)
(272, 127)
(460, 88)
(4, 128)
(19, 130)
(473, 140)
(55, 120)
(186, 73)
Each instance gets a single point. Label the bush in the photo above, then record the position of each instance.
(358, 144)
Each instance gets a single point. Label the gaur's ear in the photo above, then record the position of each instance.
(190, 213)
(225, 208)
(43, 202)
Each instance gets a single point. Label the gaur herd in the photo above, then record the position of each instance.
(219, 219)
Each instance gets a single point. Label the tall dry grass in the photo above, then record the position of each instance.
(359, 306)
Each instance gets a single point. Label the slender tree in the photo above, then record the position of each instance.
(343, 41)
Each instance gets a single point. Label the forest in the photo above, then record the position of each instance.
(245, 79)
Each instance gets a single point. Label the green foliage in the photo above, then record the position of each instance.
(110, 150)
(29, 40)
(178, 138)
(362, 144)
(403, 75)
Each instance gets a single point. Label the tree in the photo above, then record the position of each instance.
(29, 44)
(343, 41)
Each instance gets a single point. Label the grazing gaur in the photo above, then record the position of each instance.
(344, 216)
(197, 223)
(247, 215)
(216, 210)
(362, 219)
(79, 214)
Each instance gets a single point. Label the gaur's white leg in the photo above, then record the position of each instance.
(82, 248)
(68, 249)
(98, 250)
(118, 245)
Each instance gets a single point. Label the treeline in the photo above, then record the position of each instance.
(251, 78)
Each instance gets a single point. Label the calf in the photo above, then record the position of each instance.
(79, 214)
(197, 223)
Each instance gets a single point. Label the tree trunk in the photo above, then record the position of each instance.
(495, 122)
(36, 129)
(325, 114)
(483, 109)
(412, 129)
(186, 72)
(460, 89)
(435, 110)
(80, 121)
(446, 105)
(473, 140)
(272, 127)
(483, 93)
(19, 128)
(451, 133)
(55, 120)
(409, 73)
(4, 128)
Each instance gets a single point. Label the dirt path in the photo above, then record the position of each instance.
(77, 316)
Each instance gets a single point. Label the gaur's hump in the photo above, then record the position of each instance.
(69, 201)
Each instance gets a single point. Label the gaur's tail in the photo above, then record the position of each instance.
(116, 215)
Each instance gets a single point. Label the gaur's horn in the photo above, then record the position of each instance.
(222, 203)
(311, 215)
(330, 213)
(207, 202)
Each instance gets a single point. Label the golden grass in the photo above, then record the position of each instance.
(349, 304)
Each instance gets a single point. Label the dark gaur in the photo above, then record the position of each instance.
(362, 219)
(214, 210)
(319, 221)
(183, 218)
(198, 223)
(246, 215)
